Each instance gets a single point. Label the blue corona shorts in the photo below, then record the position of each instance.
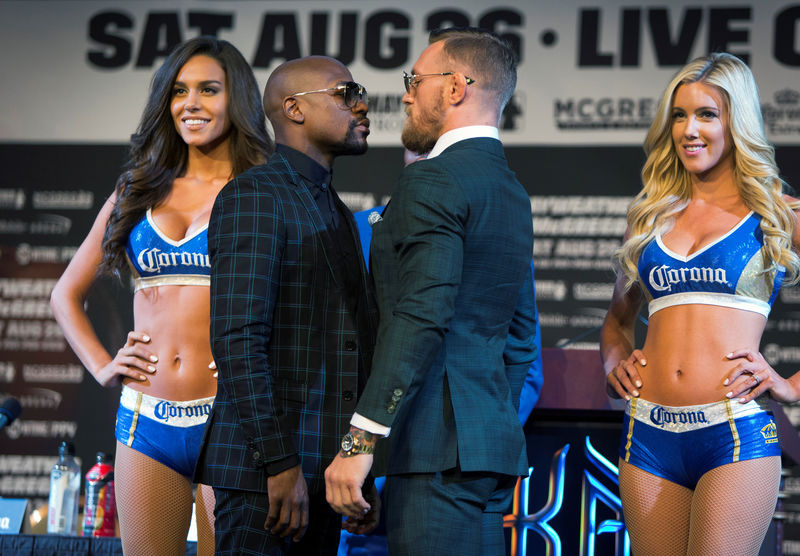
(680, 444)
(169, 432)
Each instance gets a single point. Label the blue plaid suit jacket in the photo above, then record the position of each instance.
(291, 351)
(451, 265)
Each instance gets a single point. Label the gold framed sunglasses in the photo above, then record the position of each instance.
(352, 92)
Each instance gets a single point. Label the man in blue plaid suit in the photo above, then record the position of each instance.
(450, 258)
(292, 321)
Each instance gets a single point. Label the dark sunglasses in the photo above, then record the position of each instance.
(352, 92)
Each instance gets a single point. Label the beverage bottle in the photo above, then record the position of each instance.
(100, 506)
(65, 486)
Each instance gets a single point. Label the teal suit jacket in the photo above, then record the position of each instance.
(451, 265)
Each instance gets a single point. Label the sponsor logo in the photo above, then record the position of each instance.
(165, 410)
(26, 428)
(662, 278)
(153, 260)
(28, 254)
(776, 354)
(603, 113)
(64, 374)
(770, 432)
(47, 224)
(64, 200)
(660, 417)
(40, 398)
(50, 224)
(783, 117)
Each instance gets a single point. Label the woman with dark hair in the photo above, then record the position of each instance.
(711, 239)
(202, 125)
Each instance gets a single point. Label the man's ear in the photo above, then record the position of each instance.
(458, 88)
(292, 110)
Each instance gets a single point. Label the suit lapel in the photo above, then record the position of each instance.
(382, 264)
(315, 217)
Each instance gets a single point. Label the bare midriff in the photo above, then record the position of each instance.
(177, 320)
(686, 352)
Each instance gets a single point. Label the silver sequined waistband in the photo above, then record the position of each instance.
(177, 414)
(692, 417)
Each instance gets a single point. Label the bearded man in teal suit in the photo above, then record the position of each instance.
(450, 257)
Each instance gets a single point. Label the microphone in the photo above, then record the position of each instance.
(374, 217)
(9, 411)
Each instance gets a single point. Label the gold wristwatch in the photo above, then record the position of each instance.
(352, 446)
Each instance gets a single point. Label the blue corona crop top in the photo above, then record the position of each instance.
(729, 272)
(157, 260)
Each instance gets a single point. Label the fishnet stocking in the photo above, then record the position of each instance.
(154, 504)
(204, 511)
(728, 512)
(656, 512)
(733, 506)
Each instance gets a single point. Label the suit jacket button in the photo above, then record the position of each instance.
(350, 345)
(256, 456)
(347, 395)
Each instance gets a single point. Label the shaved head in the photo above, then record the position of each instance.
(321, 125)
(301, 74)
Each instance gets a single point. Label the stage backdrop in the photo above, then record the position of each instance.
(76, 75)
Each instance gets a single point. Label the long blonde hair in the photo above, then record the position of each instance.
(667, 185)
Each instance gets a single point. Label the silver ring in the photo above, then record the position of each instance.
(755, 377)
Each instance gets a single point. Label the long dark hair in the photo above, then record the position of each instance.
(158, 154)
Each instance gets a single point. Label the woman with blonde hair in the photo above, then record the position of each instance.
(203, 123)
(711, 239)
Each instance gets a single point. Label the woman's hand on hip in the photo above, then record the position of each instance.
(753, 376)
(133, 360)
(624, 380)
